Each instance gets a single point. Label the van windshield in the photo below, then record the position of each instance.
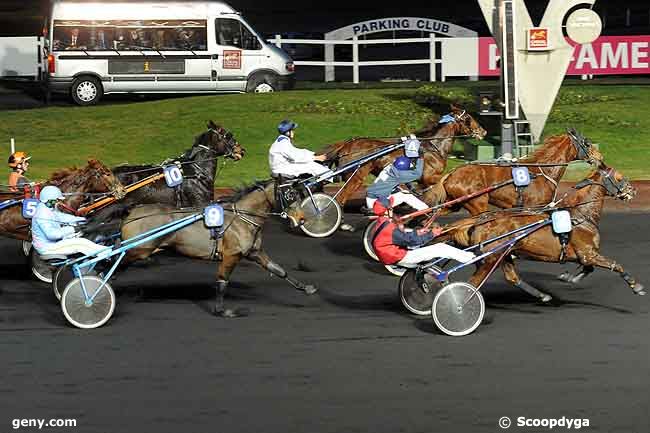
(231, 32)
(166, 35)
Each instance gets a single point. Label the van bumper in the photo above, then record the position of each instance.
(286, 82)
(59, 85)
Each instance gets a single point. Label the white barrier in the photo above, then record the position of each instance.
(356, 63)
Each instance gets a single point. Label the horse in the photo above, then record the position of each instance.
(547, 165)
(199, 166)
(78, 183)
(583, 245)
(247, 211)
(437, 146)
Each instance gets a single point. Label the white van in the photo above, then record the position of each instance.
(159, 47)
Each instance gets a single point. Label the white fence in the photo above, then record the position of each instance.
(356, 63)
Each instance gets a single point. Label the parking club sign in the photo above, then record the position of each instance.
(232, 59)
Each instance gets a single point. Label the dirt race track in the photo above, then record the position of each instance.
(348, 359)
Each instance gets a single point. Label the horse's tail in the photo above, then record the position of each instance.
(437, 193)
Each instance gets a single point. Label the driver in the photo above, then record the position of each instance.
(287, 160)
(19, 163)
(395, 246)
(53, 231)
(405, 169)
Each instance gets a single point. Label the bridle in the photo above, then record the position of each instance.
(583, 146)
(615, 188)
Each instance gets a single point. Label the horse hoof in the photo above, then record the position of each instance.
(545, 298)
(565, 276)
(639, 289)
(310, 289)
(347, 228)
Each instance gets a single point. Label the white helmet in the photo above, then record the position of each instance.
(50, 192)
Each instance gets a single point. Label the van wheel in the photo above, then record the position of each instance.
(260, 84)
(87, 91)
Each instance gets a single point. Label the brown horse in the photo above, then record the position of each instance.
(583, 247)
(246, 214)
(76, 182)
(467, 179)
(436, 150)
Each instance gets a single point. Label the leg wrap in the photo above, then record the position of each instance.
(276, 269)
(628, 279)
(530, 289)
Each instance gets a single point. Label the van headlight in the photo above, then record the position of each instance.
(289, 66)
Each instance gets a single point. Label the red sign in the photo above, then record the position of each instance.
(608, 55)
(232, 59)
(538, 39)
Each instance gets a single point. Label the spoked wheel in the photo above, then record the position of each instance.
(323, 219)
(367, 240)
(458, 309)
(88, 314)
(416, 297)
(41, 269)
(62, 278)
(398, 271)
(27, 247)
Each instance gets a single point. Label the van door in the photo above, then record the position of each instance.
(240, 53)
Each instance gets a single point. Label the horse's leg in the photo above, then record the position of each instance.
(262, 259)
(575, 279)
(226, 266)
(511, 275)
(604, 262)
(477, 205)
(355, 182)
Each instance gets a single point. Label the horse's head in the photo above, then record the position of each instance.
(615, 184)
(219, 141)
(585, 149)
(98, 178)
(467, 124)
(94, 178)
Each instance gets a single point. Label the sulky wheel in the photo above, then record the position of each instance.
(324, 221)
(62, 278)
(417, 296)
(367, 238)
(88, 314)
(458, 309)
(41, 269)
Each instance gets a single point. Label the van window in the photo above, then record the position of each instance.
(233, 33)
(130, 35)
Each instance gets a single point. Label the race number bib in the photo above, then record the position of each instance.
(173, 176)
(561, 221)
(29, 208)
(521, 176)
(213, 216)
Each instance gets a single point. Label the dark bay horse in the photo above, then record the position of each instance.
(247, 211)
(470, 178)
(77, 183)
(436, 150)
(199, 166)
(585, 207)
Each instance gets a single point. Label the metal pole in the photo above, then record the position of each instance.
(13, 145)
(355, 60)
(432, 57)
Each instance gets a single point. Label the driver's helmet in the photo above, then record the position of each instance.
(402, 163)
(412, 148)
(286, 126)
(17, 158)
(381, 206)
(50, 193)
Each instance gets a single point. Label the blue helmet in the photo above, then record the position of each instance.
(402, 163)
(286, 126)
(412, 148)
(49, 193)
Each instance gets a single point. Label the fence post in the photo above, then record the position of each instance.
(278, 41)
(355, 60)
(330, 74)
(432, 57)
